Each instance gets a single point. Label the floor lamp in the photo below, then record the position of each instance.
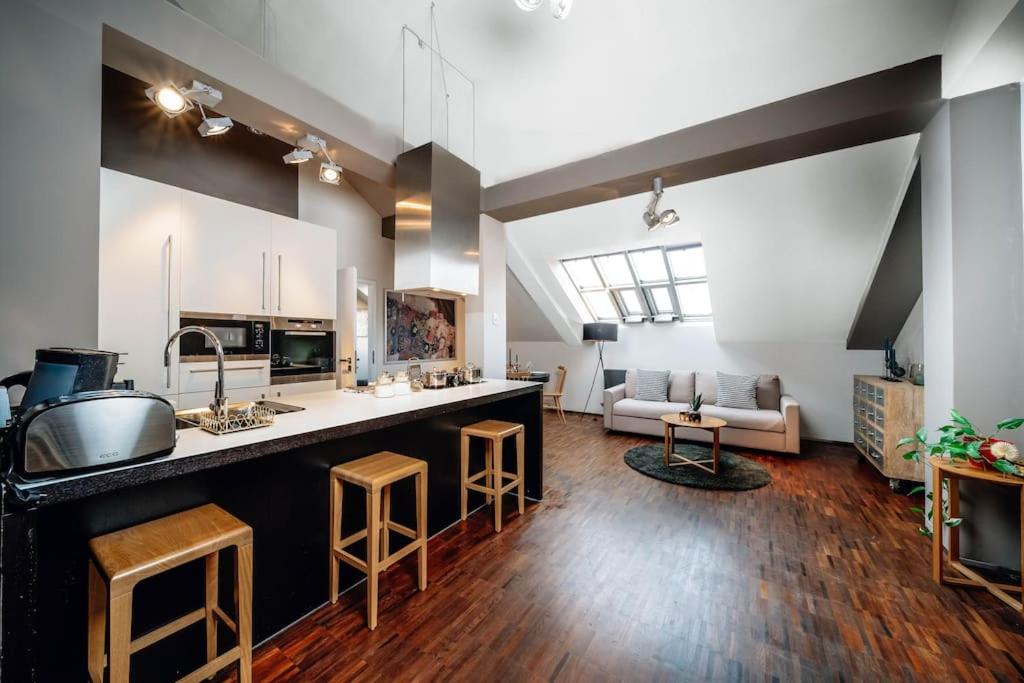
(599, 333)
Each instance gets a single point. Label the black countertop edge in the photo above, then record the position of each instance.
(62, 490)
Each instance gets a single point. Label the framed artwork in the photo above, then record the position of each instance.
(418, 326)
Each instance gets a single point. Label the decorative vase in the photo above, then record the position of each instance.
(693, 416)
(983, 463)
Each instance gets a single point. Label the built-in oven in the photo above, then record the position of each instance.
(301, 350)
(243, 337)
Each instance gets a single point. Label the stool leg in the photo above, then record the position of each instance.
(97, 623)
(385, 540)
(498, 444)
(120, 611)
(372, 560)
(336, 498)
(421, 527)
(243, 607)
(212, 571)
(489, 467)
(464, 462)
(520, 461)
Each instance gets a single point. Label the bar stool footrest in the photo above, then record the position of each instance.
(213, 666)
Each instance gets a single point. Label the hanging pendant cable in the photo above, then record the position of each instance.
(441, 61)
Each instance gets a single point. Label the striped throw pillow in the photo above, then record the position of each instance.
(737, 391)
(652, 385)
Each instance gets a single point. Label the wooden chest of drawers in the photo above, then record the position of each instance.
(883, 413)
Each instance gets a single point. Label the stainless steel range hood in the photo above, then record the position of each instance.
(437, 222)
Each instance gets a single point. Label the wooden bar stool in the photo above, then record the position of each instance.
(376, 473)
(494, 431)
(123, 558)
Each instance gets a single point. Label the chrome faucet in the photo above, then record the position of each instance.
(219, 399)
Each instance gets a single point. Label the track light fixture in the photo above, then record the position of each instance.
(559, 8)
(307, 147)
(652, 217)
(174, 101)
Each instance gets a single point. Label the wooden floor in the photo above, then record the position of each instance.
(616, 576)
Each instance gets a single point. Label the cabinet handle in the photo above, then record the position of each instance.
(248, 367)
(279, 283)
(170, 261)
(263, 285)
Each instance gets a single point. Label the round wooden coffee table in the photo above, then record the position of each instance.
(673, 459)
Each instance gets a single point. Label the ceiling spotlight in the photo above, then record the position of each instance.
(218, 125)
(652, 217)
(560, 8)
(528, 5)
(169, 98)
(330, 173)
(312, 143)
(297, 156)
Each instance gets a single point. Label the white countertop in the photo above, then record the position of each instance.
(323, 410)
(328, 409)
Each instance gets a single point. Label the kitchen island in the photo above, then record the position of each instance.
(275, 479)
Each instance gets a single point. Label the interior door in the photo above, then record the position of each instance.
(138, 277)
(346, 338)
(303, 269)
(225, 256)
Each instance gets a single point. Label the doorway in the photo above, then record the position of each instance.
(366, 342)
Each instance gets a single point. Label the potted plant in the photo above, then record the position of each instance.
(959, 440)
(693, 414)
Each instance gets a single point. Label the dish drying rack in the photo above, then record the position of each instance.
(235, 418)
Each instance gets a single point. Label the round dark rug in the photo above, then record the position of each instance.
(735, 473)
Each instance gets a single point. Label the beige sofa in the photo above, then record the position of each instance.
(774, 426)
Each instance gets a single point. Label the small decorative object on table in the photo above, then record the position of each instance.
(693, 414)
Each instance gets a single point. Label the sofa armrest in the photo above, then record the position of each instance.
(790, 409)
(611, 396)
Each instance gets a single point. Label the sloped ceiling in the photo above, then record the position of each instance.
(614, 73)
(789, 247)
(524, 321)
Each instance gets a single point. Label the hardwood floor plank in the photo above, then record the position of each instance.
(616, 576)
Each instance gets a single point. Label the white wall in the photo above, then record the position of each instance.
(485, 313)
(360, 244)
(910, 341)
(526, 321)
(818, 375)
(984, 47)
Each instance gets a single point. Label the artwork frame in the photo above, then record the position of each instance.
(424, 326)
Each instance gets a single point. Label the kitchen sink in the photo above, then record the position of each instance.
(188, 419)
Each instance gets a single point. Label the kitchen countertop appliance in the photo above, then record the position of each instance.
(471, 374)
(242, 337)
(435, 379)
(89, 430)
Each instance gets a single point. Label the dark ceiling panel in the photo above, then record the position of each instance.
(898, 282)
(880, 106)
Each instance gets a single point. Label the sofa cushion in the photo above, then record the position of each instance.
(631, 383)
(737, 391)
(769, 392)
(652, 410)
(706, 384)
(680, 386)
(760, 420)
(652, 385)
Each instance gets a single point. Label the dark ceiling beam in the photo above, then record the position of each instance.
(880, 106)
(898, 280)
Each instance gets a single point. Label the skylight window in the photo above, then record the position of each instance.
(661, 284)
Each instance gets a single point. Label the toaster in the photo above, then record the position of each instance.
(92, 429)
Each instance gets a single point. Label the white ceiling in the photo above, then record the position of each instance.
(789, 247)
(614, 73)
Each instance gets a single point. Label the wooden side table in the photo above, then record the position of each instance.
(673, 459)
(945, 469)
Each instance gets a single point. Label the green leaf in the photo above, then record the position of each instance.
(1012, 423)
(918, 510)
(960, 419)
(930, 495)
(953, 522)
(1005, 467)
(974, 449)
(922, 435)
(906, 441)
(924, 532)
(912, 455)
(916, 490)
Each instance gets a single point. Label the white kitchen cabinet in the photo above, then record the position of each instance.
(139, 260)
(202, 399)
(304, 265)
(239, 374)
(295, 388)
(225, 256)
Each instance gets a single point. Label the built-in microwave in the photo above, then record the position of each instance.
(243, 337)
(301, 350)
